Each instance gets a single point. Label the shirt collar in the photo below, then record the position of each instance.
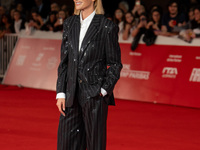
(88, 19)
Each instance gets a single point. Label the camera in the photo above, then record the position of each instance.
(143, 19)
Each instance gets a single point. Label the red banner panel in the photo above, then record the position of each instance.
(34, 63)
(160, 74)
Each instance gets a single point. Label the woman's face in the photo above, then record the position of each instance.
(16, 15)
(35, 16)
(4, 19)
(129, 18)
(54, 7)
(52, 17)
(61, 14)
(12, 13)
(84, 4)
(19, 7)
(191, 15)
(156, 16)
(118, 14)
(197, 15)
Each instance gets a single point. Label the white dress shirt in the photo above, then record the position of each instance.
(17, 25)
(84, 27)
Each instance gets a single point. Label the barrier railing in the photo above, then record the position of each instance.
(7, 44)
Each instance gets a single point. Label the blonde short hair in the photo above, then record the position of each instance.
(98, 6)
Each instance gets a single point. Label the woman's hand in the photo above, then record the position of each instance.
(61, 105)
(155, 27)
(149, 24)
(57, 23)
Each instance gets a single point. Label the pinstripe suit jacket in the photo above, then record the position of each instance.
(98, 63)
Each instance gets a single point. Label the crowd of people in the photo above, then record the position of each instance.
(133, 22)
(139, 21)
(41, 17)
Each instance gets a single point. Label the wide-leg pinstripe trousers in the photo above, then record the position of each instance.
(84, 126)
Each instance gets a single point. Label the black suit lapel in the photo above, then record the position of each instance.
(90, 34)
(75, 35)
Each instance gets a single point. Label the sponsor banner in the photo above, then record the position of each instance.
(159, 73)
(34, 63)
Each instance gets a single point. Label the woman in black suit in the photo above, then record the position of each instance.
(89, 69)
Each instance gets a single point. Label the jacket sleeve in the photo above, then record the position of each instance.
(113, 59)
(62, 68)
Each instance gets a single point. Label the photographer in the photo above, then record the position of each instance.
(139, 30)
(154, 25)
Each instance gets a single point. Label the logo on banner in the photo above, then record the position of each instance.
(134, 74)
(174, 58)
(20, 60)
(36, 65)
(195, 75)
(52, 63)
(169, 72)
(135, 54)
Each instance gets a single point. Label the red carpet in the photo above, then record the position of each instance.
(29, 120)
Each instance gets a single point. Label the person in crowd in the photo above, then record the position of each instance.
(2, 12)
(141, 27)
(36, 21)
(42, 8)
(192, 23)
(20, 8)
(194, 31)
(6, 25)
(12, 13)
(18, 23)
(139, 30)
(172, 19)
(129, 25)
(154, 25)
(119, 19)
(138, 9)
(155, 19)
(58, 26)
(197, 17)
(49, 25)
(55, 7)
(67, 9)
(124, 6)
(191, 14)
